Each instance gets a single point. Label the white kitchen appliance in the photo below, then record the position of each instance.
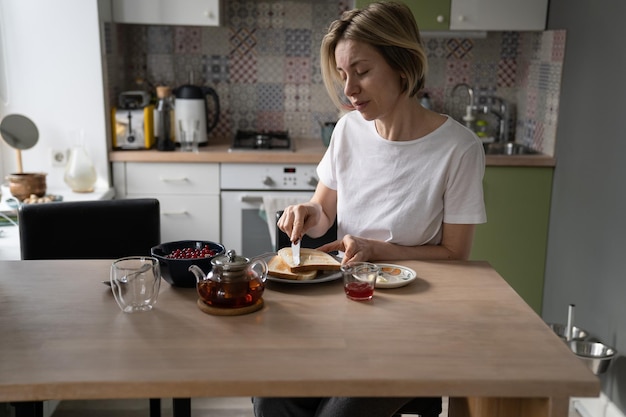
(243, 190)
(191, 109)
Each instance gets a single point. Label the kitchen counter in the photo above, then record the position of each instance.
(307, 151)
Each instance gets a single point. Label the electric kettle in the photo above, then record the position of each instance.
(192, 110)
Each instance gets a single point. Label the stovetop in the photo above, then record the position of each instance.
(277, 140)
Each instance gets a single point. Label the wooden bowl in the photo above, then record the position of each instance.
(23, 185)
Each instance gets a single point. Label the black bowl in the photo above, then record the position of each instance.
(176, 271)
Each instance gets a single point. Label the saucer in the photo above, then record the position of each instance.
(219, 311)
(394, 276)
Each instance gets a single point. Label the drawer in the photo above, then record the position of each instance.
(167, 178)
(188, 217)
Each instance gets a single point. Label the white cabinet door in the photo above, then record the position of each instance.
(194, 217)
(501, 15)
(160, 178)
(167, 12)
(188, 194)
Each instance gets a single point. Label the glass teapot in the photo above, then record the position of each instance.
(234, 281)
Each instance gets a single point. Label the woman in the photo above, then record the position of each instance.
(402, 181)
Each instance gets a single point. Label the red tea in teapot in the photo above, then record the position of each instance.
(234, 281)
(231, 294)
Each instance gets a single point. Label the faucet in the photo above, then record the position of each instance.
(495, 105)
(503, 128)
(500, 109)
(470, 108)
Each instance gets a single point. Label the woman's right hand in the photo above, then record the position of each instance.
(314, 217)
(297, 219)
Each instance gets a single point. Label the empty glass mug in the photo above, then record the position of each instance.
(135, 282)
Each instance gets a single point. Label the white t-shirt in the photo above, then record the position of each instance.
(402, 191)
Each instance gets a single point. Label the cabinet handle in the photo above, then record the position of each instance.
(181, 179)
(440, 19)
(175, 213)
(251, 199)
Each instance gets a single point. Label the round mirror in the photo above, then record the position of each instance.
(19, 132)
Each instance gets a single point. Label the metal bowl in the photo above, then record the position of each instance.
(596, 355)
(577, 333)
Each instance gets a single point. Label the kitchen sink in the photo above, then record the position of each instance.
(508, 148)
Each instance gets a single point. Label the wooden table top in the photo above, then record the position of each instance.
(458, 330)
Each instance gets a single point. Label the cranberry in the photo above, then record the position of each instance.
(192, 253)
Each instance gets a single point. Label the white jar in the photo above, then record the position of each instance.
(80, 173)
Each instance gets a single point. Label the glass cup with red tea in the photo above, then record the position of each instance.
(359, 280)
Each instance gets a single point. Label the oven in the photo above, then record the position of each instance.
(245, 188)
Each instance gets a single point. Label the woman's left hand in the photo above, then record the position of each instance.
(355, 249)
(456, 244)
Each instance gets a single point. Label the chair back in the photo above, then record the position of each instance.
(98, 229)
(282, 240)
(422, 407)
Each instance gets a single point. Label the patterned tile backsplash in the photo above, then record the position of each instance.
(264, 64)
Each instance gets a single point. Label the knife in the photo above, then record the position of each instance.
(295, 252)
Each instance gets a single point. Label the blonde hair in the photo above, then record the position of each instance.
(389, 27)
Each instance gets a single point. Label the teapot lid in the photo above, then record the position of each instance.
(231, 261)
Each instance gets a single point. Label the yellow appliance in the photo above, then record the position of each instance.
(133, 121)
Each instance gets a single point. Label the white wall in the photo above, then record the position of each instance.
(53, 72)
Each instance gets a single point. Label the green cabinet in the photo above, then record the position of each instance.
(480, 15)
(429, 14)
(514, 239)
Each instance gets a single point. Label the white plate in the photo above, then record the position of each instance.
(321, 277)
(394, 276)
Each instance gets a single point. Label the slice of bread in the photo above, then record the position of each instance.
(279, 269)
(310, 260)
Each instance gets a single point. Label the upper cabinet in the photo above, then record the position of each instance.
(496, 15)
(501, 15)
(167, 12)
(430, 14)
